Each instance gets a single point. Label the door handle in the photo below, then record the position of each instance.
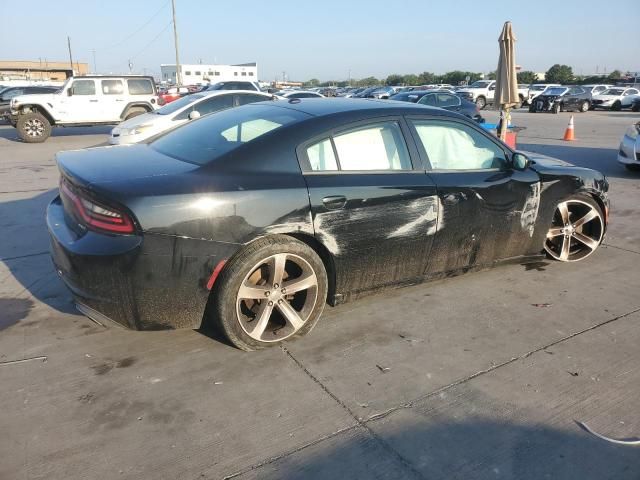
(93, 101)
(334, 202)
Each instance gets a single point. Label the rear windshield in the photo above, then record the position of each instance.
(178, 104)
(204, 140)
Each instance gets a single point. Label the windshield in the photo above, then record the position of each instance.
(613, 91)
(480, 84)
(555, 91)
(206, 139)
(178, 104)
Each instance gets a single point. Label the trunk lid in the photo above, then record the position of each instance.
(97, 167)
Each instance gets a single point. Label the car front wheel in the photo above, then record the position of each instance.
(617, 106)
(481, 103)
(585, 106)
(33, 127)
(576, 230)
(273, 290)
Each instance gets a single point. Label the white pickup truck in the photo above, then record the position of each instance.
(83, 101)
(482, 92)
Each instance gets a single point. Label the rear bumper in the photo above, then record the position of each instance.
(150, 282)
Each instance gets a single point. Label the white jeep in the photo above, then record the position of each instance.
(83, 101)
(482, 93)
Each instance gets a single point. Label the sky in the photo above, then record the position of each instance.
(327, 39)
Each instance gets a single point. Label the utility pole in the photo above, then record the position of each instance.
(175, 39)
(70, 56)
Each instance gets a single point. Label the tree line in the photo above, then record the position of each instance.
(556, 74)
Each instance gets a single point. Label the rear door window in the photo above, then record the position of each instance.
(373, 147)
(139, 86)
(112, 87)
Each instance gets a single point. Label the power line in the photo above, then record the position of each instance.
(152, 41)
(122, 42)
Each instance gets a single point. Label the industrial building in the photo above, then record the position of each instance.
(201, 73)
(40, 70)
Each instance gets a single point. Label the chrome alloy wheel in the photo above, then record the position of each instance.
(576, 231)
(277, 297)
(34, 127)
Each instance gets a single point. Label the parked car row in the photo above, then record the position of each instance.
(582, 98)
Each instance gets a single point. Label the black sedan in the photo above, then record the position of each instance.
(255, 217)
(441, 99)
(8, 93)
(559, 99)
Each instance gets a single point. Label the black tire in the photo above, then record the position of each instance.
(585, 106)
(617, 106)
(635, 107)
(632, 168)
(134, 112)
(532, 108)
(481, 102)
(520, 101)
(557, 108)
(33, 127)
(225, 301)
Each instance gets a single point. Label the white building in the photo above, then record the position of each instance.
(200, 73)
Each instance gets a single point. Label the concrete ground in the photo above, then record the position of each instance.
(465, 378)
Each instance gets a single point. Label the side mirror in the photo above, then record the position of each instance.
(69, 92)
(492, 87)
(194, 114)
(520, 161)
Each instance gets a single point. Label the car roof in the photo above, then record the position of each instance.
(319, 107)
(214, 93)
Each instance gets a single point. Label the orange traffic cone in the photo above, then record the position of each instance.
(568, 133)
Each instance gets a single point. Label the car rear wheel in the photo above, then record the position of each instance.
(273, 290)
(585, 106)
(617, 106)
(633, 167)
(576, 230)
(481, 102)
(636, 107)
(33, 127)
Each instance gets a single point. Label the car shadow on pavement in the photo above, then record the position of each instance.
(10, 133)
(478, 449)
(601, 159)
(24, 251)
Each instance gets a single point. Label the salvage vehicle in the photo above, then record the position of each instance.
(615, 98)
(629, 150)
(536, 89)
(255, 217)
(83, 101)
(181, 111)
(559, 99)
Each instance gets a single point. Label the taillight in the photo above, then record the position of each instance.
(95, 215)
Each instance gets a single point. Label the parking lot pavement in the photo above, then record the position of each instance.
(479, 376)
